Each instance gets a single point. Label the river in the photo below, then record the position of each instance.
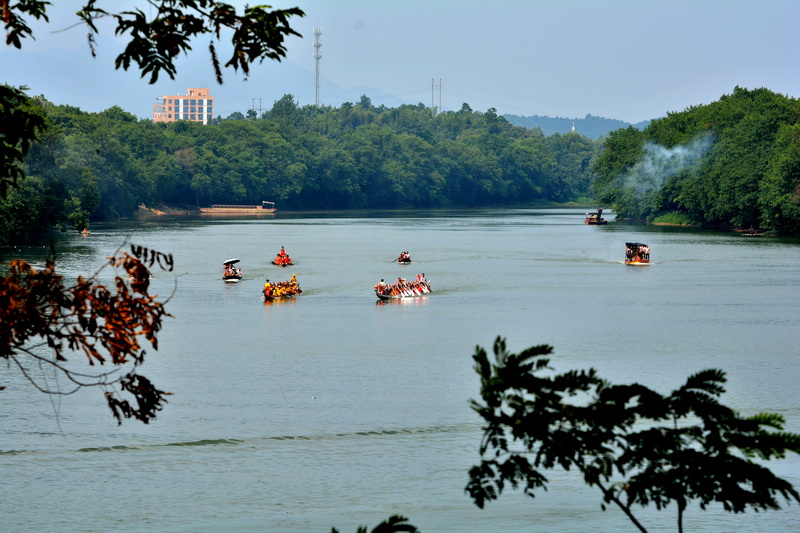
(333, 410)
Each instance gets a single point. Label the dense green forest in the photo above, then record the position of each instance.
(732, 163)
(101, 166)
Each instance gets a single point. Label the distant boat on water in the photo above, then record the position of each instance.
(224, 209)
(637, 254)
(595, 219)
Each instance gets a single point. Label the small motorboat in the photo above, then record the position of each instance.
(637, 254)
(595, 219)
(404, 258)
(231, 274)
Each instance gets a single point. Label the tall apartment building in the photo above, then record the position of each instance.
(197, 106)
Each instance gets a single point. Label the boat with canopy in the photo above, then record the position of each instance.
(230, 273)
(637, 254)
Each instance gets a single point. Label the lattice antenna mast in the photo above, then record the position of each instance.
(433, 107)
(317, 56)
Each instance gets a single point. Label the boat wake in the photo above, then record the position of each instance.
(431, 430)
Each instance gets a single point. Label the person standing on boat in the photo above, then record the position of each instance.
(381, 287)
(293, 285)
(268, 288)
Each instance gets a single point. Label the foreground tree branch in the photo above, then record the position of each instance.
(258, 33)
(636, 445)
(394, 524)
(22, 123)
(47, 324)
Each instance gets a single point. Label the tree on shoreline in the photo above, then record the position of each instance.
(733, 163)
(22, 123)
(636, 446)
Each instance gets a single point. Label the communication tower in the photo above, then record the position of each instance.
(434, 109)
(317, 56)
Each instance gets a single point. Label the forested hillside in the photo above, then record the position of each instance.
(103, 165)
(734, 163)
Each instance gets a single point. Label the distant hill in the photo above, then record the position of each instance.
(590, 126)
(265, 85)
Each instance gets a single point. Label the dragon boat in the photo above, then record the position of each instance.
(403, 289)
(281, 290)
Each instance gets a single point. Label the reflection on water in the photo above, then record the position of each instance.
(418, 300)
(281, 301)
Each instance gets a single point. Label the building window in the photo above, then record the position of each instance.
(191, 117)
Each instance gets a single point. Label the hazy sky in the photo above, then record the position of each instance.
(626, 59)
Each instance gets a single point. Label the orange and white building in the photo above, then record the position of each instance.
(196, 106)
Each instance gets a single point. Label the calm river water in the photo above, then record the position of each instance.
(331, 410)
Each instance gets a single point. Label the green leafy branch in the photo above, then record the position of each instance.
(637, 446)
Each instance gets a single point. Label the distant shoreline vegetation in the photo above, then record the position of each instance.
(731, 164)
(102, 166)
(673, 219)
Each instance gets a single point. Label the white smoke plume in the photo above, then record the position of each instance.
(658, 164)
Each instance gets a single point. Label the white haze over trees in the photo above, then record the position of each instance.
(658, 164)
